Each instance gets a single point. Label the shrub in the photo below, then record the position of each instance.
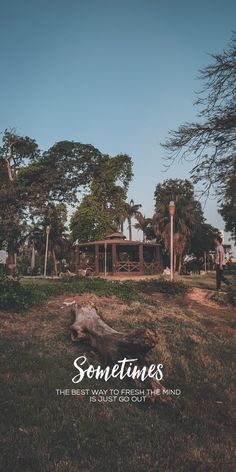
(232, 295)
(15, 297)
(160, 285)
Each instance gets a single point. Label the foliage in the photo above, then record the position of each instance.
(101, 211)
(202, 240)
(130, 210)
(211, 140)
(31, 179)
(54, 216)
(228, 206)
(160, 285)
(231, 293)
(16, 297)
(90, 222)
(144, 224)
(188, 214)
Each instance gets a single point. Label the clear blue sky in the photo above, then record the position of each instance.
(114, 73)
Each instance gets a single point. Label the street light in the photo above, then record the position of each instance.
(46, 250)
(171, 213)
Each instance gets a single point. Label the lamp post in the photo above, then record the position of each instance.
(46, 250)
(171, 213)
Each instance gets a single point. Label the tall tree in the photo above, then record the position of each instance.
(30, 179)
(102, 209)
(228, 206)
(130, 211)
(54, 216)
(142, 224)
(15, 153)
(188, 214)
(202, 239)
(211, 141)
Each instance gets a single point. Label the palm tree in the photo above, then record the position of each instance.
(188, 215)
(130, 210)
(142, 223)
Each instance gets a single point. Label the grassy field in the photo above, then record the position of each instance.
(44, 432)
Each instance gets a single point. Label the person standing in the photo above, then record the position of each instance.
(220, 263)
(3, 260)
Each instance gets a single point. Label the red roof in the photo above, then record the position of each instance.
(117, 235)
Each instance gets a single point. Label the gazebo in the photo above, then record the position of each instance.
(115, 255)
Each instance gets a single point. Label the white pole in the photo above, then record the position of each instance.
(171, 248)
(105, 260)
(171, 213)
(33, 256)
(46, 251)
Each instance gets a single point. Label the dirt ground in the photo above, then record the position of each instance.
(196, 345)
(54, 316)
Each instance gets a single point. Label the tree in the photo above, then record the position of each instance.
(101, 211)
(90, 222)
(228, 206)
(142, 224)
(31, 179)
(202, 240)
(211, 140)
(188, 214)
(54, 216)
(15, 152)
(130, 210)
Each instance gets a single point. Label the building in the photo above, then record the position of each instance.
(114, 255)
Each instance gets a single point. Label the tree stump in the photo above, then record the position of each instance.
(112, 345)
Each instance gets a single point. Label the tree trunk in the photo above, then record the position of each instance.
(174, 261)
(130, 229)
(11, 258)
(180, 263)
(55, 262)
(113, 345)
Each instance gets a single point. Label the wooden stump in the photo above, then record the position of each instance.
(112, 345)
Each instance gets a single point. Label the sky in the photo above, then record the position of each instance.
(117, 74)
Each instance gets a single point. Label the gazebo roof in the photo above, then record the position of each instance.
(117, 235)
(118, 241)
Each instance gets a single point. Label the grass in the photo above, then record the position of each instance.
(206, 281)
(43, 432)
(16, 296)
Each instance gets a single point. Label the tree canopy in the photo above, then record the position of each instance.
(228, 206)
(32, 180)
(211, 141)
(102, 210)
(188, 214)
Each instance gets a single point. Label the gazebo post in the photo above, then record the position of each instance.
(114, 258)
(96, 259)
(141, 257)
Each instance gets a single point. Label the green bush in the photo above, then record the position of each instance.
(160, 285)
(16, 297)
(232, 295)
